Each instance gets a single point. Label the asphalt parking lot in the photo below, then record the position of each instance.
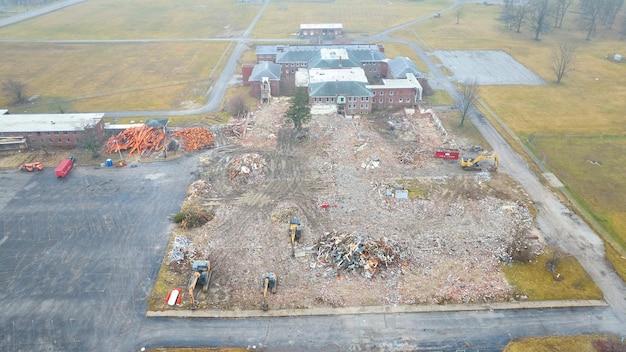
(78, 256)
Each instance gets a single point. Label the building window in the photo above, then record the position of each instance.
(56, 132)
(49, 140)
(68, 140)
(391, 92)
(64, 132)
(400, 100)
(380, 100)
(59, 140)
(390, 100)
(381, 92)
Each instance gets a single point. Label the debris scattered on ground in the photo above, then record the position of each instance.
(344, 251)
(182, 249)
(247, 168)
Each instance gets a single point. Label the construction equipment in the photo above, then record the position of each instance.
(295, 231)
(270, 282)
(30, 167)
(200, 275)
(475, 163)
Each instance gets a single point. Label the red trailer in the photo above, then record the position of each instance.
(64, 167)
(447, 153)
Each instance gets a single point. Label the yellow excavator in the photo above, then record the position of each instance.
(200, 275)
(295, 231)
(270, 282)
(475, 163)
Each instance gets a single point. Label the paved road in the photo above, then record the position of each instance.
(79, 256)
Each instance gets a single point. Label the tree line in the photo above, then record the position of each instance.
(541, 16)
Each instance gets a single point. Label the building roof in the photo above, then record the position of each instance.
(321, 26)
(409, 82)
(400, 66)
(353, 74)
(331, 89)
(157, 123)
(3, 111)
(265, 69)
(48, 122)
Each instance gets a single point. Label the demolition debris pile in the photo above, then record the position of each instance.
(247, 169)
(345, 251)
(145, 139)
(194, 138)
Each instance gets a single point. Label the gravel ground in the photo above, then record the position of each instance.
(453, 230)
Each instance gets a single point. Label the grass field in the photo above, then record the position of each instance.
(578, 343)
(570, 124)
(140, 19)
(108, 77)
(360, 18)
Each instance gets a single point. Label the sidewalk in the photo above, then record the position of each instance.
(373, 309)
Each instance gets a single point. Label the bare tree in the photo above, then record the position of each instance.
(539, 15)
(460, 10)
(16, 90)
(469, 95)
(610, 11)
(563, 60)
(238, 105)
(591, 10)
(560, 10)
(520, 16)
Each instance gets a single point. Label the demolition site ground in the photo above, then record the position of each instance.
(384, 222)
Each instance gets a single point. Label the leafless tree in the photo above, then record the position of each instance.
(458, 13)
(15, 90)
(610, 11)
(560, 9)
(237, 104)
(540, 11)
(469, 95)
(563, 60)
(591, 10)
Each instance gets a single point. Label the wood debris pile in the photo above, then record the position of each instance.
(145, 140)
(247, 169)
(344, 251)
(194, 138)
(141, 139)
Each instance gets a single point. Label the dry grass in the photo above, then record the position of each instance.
(578, 343)
(89, 77)
(141, 19)
(359, 17)
(537, 283)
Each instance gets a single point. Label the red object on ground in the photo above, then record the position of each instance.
(324, 206)
(444, 153)
(175, 296)
(64, 167)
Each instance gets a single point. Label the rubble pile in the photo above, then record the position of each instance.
(141, 139)
(247, 169)
(181, 248)
(194, 138)
(344, 251)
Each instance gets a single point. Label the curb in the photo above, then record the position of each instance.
(233, 314)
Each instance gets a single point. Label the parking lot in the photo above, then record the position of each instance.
(79, 254)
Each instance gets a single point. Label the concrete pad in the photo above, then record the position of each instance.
(487, 67)
(553, 180)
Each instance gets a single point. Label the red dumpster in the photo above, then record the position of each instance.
(64, 167)
(446, 153)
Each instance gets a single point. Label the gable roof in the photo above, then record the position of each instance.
(265, 69)
(400, 66)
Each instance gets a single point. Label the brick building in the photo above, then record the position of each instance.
(50, 130)
(348, 79)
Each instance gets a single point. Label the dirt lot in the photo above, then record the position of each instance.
(345, 178)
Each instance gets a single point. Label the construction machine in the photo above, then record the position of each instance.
(475, 163)
(30, 167)
(200, 275)
(295, 231)
(270, 282)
